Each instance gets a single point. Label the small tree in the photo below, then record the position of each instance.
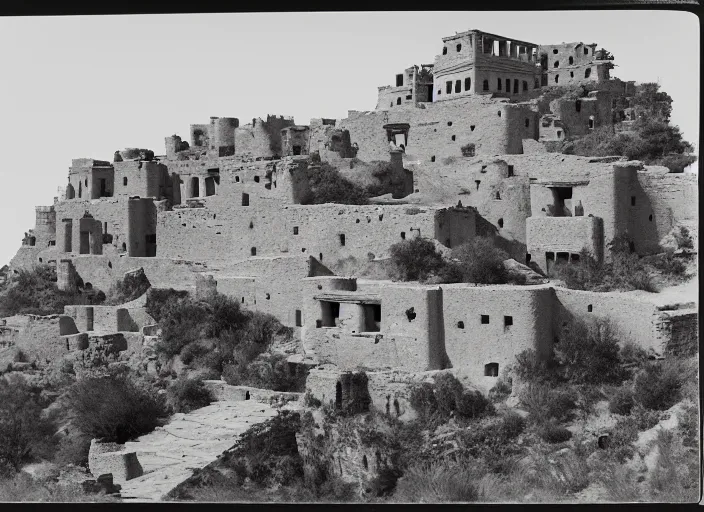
(588, 353)
(480, 261)
(415, 259)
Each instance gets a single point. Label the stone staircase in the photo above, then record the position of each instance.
(171, 453)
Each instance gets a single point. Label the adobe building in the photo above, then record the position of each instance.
(467, 147)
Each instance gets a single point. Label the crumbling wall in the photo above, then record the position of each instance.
(563, 234)
(634, 319)
(261, 139)
(679, 331)
(580, 116)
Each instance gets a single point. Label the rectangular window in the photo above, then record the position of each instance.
(508, 320)
(299, 318)
(515, 86)
(485, 319)
(295, 230)
(448, 87)
(633, 200)
(458, 85)
(399, 80)
(342, 239)
(510, 171)
(498, 84)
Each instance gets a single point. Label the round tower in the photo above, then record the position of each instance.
(223, 135)
(173, 145)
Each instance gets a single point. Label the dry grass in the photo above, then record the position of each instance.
(23, 488)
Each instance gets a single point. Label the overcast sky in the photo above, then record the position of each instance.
(85, 86)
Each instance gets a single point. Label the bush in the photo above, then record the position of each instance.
(588, 352)
(415, 259)
(193, 351)
(545, 403)
(657, 387)
(23, 488)
(327, 185)
(22, 428)
(622, 401)
(437, 483)
(267, 371)
(480, 261)
(684, 239)
(35, 292)
(530, 367)
(159, 300)
(114, 408)
(422, 399)
(186, 395)
(668, 264)
(553, 433)
(501, 390)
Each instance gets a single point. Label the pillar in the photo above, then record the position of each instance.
(66, 276)
(352, 317)
(68, 235)
(201, 186)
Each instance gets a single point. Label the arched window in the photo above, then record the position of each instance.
(556, 64)
(571, 60)
(459, 47)
(485, 85)
(587, 72)
(398, 101)
(557, 77)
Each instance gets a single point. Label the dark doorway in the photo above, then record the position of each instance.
(296, 150)
(103, 187)
(210, 186)
(338, 395)
(150, 246)
(84, 247)
(246, 395)
(245, 199)
(491, 370)
(195, 187)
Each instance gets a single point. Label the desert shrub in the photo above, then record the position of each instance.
(130, 287)
(268, 451)
(35, 292)
(626, 271)
(72, 449)
(480, 261)
(415, 259)
(22, 428)
(657, 387)
(675, 477)
(689, 426)
(422, 399)
(384, 484)
(632, 354)
(501, 390)
(553, 433)
(588, 352)
(310, 401)
(186, 395)
(676, 163)
(622, 401)
(621, 438)
(438, 482)
(512, 424)
(471, 404)
(159, 300)
(327, 185)
(530, 367)
(193, 351)
(684, 238)
(544, 402)
(447, 390)
(267, 370)
(115, 408)
(668, 264)
(23, 488)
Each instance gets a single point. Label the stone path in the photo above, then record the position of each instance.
(190, 441)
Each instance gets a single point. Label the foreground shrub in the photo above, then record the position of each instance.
(115, 408)
(439, 482)
(22, 428)
(36, 292)
(23, 488)
(530, 367)
(267, 371)
(551, 432)
(545, 403)
(186, 395)
(588, 352)
(622, 401)
(657, 387)
(415, 259)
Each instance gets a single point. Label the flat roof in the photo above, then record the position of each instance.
(493, 36)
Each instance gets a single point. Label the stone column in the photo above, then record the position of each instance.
(352, 317)
(67, 235)
(201, 186)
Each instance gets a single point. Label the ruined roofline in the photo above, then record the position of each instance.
(493, 36)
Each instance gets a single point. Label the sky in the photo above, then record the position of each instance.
(86, 86)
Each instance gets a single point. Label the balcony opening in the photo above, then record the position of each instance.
(491, 370)
(330, 313)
